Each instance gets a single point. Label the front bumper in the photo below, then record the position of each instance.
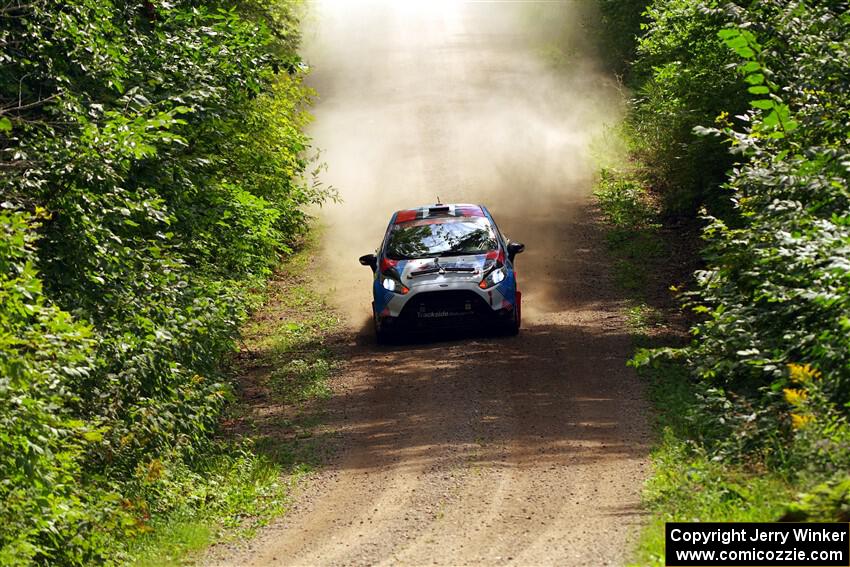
(456, 306)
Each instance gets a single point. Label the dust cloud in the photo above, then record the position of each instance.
(488, 102)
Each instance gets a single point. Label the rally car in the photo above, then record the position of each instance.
(444, 266)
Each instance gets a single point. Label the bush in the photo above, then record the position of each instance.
(773, 352)
(624, 201)
(622, 21)
(680, 74)
(44, 356)
(161, 146)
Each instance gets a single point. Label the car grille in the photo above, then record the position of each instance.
(435, 309)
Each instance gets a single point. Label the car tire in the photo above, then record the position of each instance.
(511, 328)
(382, 337)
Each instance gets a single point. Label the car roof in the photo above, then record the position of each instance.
(439, 210)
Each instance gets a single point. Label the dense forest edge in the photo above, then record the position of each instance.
(738, 128)
(154, 169)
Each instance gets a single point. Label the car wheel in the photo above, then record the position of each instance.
(382, 337)
(512, 327)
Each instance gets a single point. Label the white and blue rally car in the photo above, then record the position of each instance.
(444, 266)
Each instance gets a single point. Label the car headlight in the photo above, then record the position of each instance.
(494, 277)
(390, 281)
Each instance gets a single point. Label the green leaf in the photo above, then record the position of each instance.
(763, 103)
(5, 124)
(737, 42)
(93, 436)
(771, 120)
(759, 89)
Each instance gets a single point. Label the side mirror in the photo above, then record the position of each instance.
(515, 248)
(370, 260)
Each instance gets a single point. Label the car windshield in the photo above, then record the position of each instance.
(450, 236)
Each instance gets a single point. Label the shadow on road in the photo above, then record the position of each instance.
(552, 394)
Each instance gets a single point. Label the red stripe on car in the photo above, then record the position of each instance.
(469, 212)
(386, 264)
(405, 216)
(497, 255)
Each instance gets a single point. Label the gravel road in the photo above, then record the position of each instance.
(471, 450)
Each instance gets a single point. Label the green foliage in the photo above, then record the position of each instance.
(162, 147)
(777, 291)
(624, 201)
(296, 352)
(233, 491)
(633, 225)
(829, 501)
(772, 353)
(754, 411)
(243, 482)
(622, 21)
(44, 355)
(681, 80)
(688, 484)
(689, 85)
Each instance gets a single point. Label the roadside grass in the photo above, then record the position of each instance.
(244, 480)
(236, 492)
(633, 232)
(685, 485)
(642, 319)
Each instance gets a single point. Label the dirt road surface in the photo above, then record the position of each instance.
(470, 450)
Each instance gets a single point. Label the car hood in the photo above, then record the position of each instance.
(451, 269)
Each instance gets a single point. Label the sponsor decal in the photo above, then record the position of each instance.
(437, 314)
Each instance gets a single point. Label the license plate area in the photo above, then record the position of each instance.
(450, 308)
(444, 312)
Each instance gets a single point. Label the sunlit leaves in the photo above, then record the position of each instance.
(742, 41)
(776, 290)
(685, 65)
(44, 352)
(164, 154)
(777, 122)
